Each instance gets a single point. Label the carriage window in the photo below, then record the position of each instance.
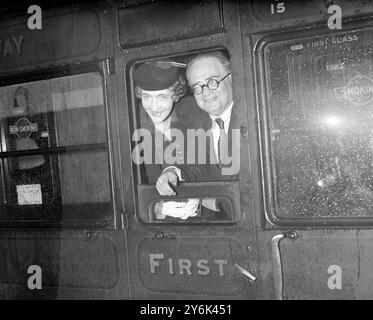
(164, 115)
(319, 98)
(54, 160)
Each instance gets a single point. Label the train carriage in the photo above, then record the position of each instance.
(73, 202)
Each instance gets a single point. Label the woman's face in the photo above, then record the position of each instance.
(158, 104)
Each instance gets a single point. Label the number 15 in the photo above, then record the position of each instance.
(277, 8)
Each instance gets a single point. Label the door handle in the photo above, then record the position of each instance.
(245, 273)
(276, 261)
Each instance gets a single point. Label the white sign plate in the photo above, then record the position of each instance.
(29, 194)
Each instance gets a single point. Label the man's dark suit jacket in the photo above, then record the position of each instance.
(210, 171)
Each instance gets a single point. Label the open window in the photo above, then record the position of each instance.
(158, 144)
(317, 118)
(54, 153)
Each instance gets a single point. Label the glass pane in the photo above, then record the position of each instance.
(53, 147)
(320, 100)
(78, 102)
(84, 177)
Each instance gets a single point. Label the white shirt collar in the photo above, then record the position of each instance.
(225, 116)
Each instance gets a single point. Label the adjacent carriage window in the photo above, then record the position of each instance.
(54, 160)
(164, 116)
(319, 95)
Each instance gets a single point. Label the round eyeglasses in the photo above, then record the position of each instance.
(212, 84)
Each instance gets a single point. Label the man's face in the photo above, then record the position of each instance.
(214, 102)
(158, 104)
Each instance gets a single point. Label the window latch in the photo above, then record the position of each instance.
(123, 220)
(110, 66)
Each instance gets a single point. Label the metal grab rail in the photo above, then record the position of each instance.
(276, 261)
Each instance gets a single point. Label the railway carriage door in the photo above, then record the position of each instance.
(316, 121)
(60, 202)
(207, 247)
(56, 182)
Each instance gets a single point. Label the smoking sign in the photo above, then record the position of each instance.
(359, 90)
(23, 128)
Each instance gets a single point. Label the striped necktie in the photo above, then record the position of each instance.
(222, 143)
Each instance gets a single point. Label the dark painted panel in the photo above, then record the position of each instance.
(66, 262)
(167, 21)
(268, 11)
(61, 37)
(189, 265)
(309, 266)
(279, 12)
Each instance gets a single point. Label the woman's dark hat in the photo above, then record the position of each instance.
(156, 75)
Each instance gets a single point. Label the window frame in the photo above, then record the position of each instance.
(264, 137)
(143, 203)
(107, 221)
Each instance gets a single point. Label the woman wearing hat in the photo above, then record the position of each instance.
(160, 86)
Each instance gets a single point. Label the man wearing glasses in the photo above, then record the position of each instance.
(210, 78)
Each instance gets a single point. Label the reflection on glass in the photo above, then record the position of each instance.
(321, 127)
(25, 129)
(54, 154)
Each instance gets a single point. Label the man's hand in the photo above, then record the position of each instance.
(192, 204)
(176, 209)
(180, 209)
(166, 181)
